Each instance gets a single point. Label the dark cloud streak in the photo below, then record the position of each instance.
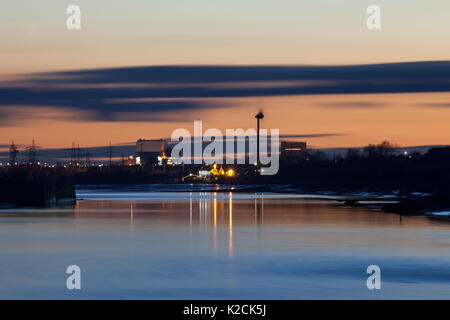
(426, 70)
(166, 90)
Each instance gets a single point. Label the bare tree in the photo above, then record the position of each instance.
(382, 150)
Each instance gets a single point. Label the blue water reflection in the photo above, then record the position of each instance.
(219, 245)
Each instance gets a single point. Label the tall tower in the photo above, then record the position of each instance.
(13, 154)
(110, 154)
(32, 153)
(258, 117)
(88, 158)
(72, 154)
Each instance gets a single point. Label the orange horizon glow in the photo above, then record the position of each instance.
(202, 32)
(399, 118)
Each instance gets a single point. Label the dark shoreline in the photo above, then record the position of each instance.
(418, 185)
(389, 201)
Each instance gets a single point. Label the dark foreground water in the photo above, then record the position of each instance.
(217, 245)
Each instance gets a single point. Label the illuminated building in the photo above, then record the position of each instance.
(130, 161)
(150, 152)
(211, 173)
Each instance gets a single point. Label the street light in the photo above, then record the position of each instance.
(259, 116)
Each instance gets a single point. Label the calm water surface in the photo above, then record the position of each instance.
(218, 245)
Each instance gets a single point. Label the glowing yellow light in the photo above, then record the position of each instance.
(230, 172)
(215, 166)
(293, 149)
(230, 244)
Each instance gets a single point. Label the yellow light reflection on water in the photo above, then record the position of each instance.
(230, 242)
(215, 222)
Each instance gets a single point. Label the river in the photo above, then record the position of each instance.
(147, 243)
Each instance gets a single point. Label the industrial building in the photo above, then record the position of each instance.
(149, 152)
(292, 152)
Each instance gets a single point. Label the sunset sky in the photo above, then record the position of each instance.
(345, 103)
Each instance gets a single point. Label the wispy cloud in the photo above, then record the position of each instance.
(314, 135)
(437, 105)
(351, 104)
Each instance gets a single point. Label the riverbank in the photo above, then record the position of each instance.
(395, 193)
(437, 204)
(385, 200)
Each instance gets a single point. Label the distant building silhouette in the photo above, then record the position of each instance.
(438, 154)
(292, 151)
